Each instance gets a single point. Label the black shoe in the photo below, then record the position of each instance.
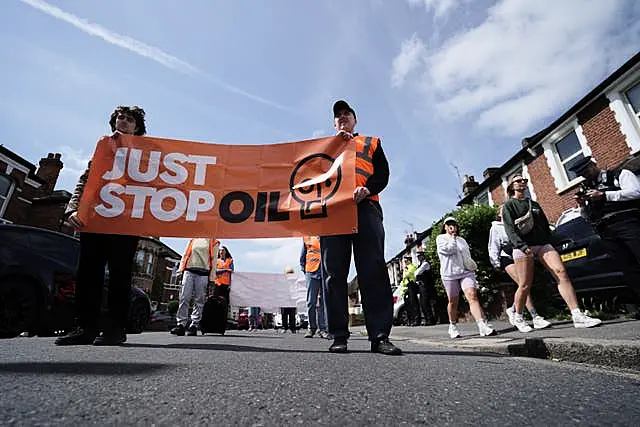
(192, 331)
(310, 333)
(178, 330)
(384, 346)
(111, 338)
(78, 336)
(339, 346)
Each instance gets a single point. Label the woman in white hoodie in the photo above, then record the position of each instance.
(457, 269)
(501, 257)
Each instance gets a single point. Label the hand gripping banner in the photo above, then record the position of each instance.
(161, 187)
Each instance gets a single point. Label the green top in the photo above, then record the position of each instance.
(540, 234)
(409, 274)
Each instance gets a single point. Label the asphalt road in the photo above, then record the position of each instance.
(264, 378)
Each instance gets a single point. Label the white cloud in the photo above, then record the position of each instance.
(526, 61)
(142, 49)
(411, 54)
(74, 161)
(440, 8)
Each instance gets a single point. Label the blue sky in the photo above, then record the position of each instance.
(442, 82)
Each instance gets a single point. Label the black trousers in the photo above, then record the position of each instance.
(96, 252)
(373, 277)
(621, 236)
(222, 291)
(413, 304)
(288, 318)
(427, 291)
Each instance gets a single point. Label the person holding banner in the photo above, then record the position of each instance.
(97, 250)
(198, 270)
(224, 270)
(310, 265)
(372, 176)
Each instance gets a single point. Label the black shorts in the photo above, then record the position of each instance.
(505, 262)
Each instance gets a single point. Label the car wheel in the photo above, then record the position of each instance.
(139, 318)
(18, 307)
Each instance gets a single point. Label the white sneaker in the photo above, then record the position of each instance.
(539, 322)
(486, 329)
(453, 331)
(581, 320)
(518, 322)
(510, 313)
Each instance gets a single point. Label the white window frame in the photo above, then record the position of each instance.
(623, 112)
(522, 168)
(489, 198)
(556, 167)
(149, 264)
(4, 200)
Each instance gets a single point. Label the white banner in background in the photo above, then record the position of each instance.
(269, 291)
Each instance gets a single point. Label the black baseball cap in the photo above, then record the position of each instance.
(342, 105)
(579, 166)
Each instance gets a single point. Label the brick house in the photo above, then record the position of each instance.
(154, 271)
(27, 193)
(604, 124)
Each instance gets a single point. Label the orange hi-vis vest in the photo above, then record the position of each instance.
(224, 278)
(312, 243)
(213, 254)
(365, 147)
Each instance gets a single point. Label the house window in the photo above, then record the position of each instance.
(633, 96)
(483, 199)
(140, 260)
(149, 269)
(6, 189)
(569, 152)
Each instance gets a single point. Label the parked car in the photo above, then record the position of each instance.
(243, 319)
(161, 320)
(37, 283)
(400, 315)
(586, 259)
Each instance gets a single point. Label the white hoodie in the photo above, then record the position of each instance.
(498, 240)
(455, 258)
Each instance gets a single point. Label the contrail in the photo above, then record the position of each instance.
(142, 49)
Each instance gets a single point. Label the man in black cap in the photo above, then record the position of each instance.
(426, 289)
(372, 176)
(610, 200)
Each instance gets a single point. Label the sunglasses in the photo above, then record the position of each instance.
(521, 181)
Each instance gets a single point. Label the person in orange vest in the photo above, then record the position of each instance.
(224, 270)
(372, 176)
(310, 265)
(197, 268)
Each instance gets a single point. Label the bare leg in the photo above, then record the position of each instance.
(452, 309)
(524, 274)
(552, 262)
(474, 303)
(511, 271)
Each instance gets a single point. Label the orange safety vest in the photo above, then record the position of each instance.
(187, 254)
(365, 147)
(312, 243)
(224, 278)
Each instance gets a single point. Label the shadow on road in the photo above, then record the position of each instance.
(82, 368)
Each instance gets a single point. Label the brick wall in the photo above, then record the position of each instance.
(546, 191)
(599, 126)
(498, 195)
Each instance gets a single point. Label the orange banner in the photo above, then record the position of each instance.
(161, 187)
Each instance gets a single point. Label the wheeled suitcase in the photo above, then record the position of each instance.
(214, 316)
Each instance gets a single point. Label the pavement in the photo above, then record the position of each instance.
(614, 343)
(269, 379)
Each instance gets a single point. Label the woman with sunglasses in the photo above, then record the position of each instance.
(457, 270)
(501, 257)
(531, 244)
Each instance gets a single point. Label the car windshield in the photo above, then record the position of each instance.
(576, 229)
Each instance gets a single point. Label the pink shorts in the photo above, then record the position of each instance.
(536, 251)
(453, 287)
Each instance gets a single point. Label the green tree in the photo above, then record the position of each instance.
(172, 307)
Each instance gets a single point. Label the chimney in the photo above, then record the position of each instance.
(469, 185)
(488, 172)
(49, 170)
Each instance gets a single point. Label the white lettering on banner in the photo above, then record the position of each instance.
(130, 160)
